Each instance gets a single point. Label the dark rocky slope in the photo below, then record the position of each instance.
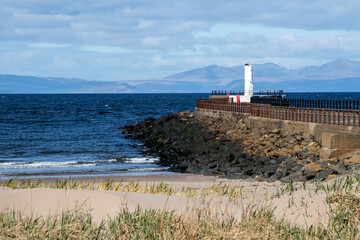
(208, 146)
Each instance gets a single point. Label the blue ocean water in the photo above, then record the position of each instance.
(73, 135)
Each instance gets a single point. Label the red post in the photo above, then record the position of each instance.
(353, 113)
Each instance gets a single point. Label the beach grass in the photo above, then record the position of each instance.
(216, 189)
(147, 224)
(257, 222)
(202, 224)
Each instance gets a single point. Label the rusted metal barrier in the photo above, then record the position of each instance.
(345, 117)
(324, 103)
(241, 92)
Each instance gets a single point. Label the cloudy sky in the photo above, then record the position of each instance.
(141, 39)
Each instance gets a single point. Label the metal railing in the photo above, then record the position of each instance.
(241, 92)
(295, 102)
(324, 103)
(315, 115)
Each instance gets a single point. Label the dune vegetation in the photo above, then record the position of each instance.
(343, 200)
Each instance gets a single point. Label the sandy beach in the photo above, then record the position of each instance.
(303, 206)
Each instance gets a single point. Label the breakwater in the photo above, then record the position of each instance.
(338, 129)
(232, 145)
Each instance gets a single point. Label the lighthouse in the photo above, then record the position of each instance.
(272, 97)
(248, 77)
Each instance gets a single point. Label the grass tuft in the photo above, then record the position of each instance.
(110, 185)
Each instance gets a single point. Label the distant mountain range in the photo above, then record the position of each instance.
(341, 75)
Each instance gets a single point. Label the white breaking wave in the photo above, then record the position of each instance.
(141, 160)
(68, 164)
(14, 165)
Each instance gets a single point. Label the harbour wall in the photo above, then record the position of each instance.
(336, 139)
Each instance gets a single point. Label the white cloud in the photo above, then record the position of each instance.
(150, 41)
(145, 24)
(106, 49)
(158, 60)
(48, 45)
(161, 37)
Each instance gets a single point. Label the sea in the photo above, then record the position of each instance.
(79, 135)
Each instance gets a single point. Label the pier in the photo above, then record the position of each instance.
(337, 129)
(336, 123)
(324, 112)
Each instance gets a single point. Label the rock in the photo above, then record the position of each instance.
(285, 152)
(310, 176)
(276, 131)
(296, 176)
(273, 154)
(269, 174)
(272, 161)
(248, 172)
(315, 167)
(331, 176)
(353, 157)
(298, 149)
(321, 176)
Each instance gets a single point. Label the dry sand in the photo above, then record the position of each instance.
(302, 207)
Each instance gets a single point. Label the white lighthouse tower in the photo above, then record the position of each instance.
(248, 77)
(274, 97)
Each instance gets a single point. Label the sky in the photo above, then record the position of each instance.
(114, 40)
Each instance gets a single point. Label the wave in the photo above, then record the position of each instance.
(81, 163)
(141, 160)
(13, 165)
(41, 164)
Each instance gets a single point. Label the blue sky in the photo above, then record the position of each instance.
(134, 40)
